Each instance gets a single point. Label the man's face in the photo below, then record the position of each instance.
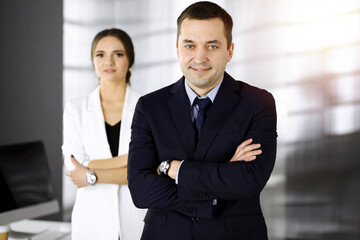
(203, 54)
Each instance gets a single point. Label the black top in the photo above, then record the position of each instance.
(113, 133)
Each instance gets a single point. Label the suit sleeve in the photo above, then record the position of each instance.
(235, 180)
(148, 189)
(72, 141)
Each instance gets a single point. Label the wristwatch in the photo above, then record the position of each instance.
(91, 177)
(164, 167)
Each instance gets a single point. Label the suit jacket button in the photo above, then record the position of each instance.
(203, 195)
(187, 210)
(195, 219)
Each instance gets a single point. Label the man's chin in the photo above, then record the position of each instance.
(200, 76)
(198, 82)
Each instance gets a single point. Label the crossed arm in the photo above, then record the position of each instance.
(244, 152)
(112, 170)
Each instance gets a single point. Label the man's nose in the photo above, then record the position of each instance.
(200, 55)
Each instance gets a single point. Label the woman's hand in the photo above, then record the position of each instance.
(246, 152)
(78, 175)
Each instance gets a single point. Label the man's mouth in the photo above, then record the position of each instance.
(200, 69)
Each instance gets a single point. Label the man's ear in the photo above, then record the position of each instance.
(230, 52)
(177, 49)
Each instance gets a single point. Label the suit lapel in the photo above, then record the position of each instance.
(179, 106)
(224, 104)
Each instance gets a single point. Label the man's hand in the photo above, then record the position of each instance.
(78, 175)
(246, 151)
(173, 169)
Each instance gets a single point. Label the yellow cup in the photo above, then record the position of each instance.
(4, 232)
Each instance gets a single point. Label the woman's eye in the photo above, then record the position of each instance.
(119, 54)
(99, 55)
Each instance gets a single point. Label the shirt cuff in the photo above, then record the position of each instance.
(177, 174)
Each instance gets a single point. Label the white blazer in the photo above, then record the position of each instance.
(101, 211)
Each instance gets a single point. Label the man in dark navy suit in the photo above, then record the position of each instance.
(203, 148)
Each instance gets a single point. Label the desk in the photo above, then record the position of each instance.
(26, 229)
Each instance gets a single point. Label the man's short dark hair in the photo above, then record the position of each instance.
(207, 10)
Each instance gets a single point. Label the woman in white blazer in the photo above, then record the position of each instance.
(96, 136)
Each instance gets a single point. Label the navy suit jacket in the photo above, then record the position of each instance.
(162, 129)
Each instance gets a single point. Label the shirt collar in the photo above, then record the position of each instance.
(192, 95)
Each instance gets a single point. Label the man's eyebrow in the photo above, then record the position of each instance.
(208, 42)
(187, 41)
(215, 42)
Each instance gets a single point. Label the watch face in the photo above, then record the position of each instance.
(91, 178)
(162, 167)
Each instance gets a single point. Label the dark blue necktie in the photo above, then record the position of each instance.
(203, 104)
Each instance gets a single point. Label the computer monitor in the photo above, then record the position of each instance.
(25, 184)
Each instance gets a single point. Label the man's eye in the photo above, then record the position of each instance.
(189, 46)
(212, 47)
(99, 55)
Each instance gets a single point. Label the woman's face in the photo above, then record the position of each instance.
(110, 60)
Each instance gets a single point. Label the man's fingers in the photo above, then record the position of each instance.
(246, 142)
(252, 158)
(251, 147)
(246, 151)
(158, 170)
(246, 156)
(246, 146)
(253, 153)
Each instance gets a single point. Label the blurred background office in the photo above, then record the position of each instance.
(305, 52)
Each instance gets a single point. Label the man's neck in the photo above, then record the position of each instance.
(201, 92)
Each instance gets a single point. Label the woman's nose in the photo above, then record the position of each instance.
(109, 61)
